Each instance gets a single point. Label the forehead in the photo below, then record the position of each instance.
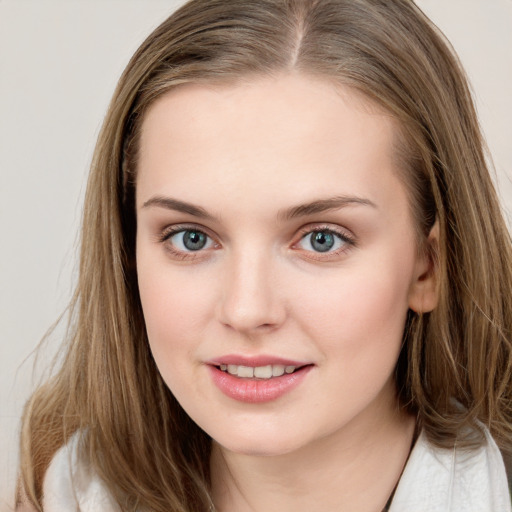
(298, 134)
(264, 100)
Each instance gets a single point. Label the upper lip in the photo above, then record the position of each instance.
(254, 361)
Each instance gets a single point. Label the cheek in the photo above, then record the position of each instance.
(361, 312)
(358, 328)
(175, 310)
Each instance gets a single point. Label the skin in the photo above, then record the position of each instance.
(245, 154)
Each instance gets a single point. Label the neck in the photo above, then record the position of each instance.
(355, 468)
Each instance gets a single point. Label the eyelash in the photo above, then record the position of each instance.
(168, 233)
(347, 240)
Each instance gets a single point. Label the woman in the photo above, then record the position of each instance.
(294, 279)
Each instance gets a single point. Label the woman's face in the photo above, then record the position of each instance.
(276, 259)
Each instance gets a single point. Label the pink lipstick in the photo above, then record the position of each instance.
(257, 379)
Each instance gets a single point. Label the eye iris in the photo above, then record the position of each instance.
(194, 240)
(322, 241)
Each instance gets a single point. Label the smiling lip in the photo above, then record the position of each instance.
(254, 390)
(254, 361)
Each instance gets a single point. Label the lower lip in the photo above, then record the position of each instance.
(257, 390)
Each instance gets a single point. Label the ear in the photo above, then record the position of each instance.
(423, 294)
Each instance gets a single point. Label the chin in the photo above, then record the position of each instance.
(262, 443)
(262, 448)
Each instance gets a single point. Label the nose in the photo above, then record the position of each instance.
(251, 299)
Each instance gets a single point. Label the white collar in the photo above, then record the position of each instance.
(456, 480)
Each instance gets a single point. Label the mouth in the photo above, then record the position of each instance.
(257, 379)
(266, 372)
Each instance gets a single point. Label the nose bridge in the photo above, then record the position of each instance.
(249, 299)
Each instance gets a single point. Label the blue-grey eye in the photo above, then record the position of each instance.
(321, 241)
(190, 240)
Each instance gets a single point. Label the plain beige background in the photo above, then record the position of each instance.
(59, 62)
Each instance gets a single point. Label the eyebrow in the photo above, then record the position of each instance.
(324, 205)
(302, 210)
(179, 206)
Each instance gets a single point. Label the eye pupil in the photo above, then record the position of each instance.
(194, 240)
(322, 241)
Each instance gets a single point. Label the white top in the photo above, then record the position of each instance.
(434, 480)
(453, 480)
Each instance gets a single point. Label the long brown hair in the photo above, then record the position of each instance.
(455, 367)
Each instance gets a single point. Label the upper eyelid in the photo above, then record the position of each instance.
(173, 229)
(332, 228)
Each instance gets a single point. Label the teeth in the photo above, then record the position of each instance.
(259, 372)
(277, 370)
(246, 371)
(262, 372)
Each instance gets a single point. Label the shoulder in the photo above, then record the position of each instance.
(70, 484)
(458, 480)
